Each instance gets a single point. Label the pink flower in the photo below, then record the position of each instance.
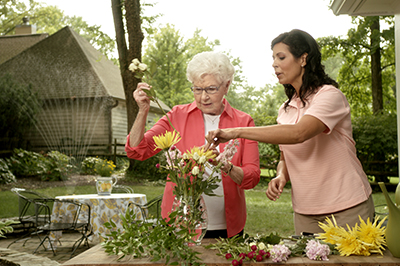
(280, 253)
(317, 251)
(158, 166)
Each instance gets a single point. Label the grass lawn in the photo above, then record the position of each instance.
(263, 215)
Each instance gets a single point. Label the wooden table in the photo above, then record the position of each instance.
(96, 256)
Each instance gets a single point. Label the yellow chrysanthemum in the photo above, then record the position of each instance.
(331, 230)
(196, 153)
(167, 140)
(349, 244)
(373, 234)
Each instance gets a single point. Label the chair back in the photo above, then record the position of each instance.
(122, 189)
(29, 214)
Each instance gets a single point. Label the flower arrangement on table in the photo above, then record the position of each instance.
(361, 240)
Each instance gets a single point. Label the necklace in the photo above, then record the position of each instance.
(210, 119)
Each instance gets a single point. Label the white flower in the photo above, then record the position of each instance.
(195, 170)
(132, 67)
(196, 156)
(142, 67)
(261, 246)
(252, 244)
(202, 159)
(136, 62)
(185, 156)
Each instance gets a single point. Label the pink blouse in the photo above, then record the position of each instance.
(325, 172)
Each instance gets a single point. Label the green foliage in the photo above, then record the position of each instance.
(170, 53)
(19, 107)
(139, 239)
(52, 166)
(376, 137)
(354, 76)
(104, 167)
(5, 227)
(88, 165)
(6, 176)
(146, 169)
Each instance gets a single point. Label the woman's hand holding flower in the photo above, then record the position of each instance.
(141, 98)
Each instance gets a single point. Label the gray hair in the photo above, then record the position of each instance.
(211, 63)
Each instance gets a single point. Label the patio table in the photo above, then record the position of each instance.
(102, 209)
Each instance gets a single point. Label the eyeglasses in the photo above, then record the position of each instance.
(209, 89)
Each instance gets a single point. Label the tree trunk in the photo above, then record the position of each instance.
(376, 86)
(135, 38)
(376, 70)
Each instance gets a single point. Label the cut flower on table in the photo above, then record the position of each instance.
(362, 239)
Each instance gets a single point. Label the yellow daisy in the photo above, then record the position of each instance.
(373, 234)
(167, 140)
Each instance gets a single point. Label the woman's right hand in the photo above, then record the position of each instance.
(275, 188)
(140, 96)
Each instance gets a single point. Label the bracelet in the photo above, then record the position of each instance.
(230, 168)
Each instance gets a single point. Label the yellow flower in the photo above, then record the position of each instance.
(348, 243)
(331, 230)
(372, 234)
(196, 153)
(167, 140)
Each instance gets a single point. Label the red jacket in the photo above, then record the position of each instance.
(188, 121)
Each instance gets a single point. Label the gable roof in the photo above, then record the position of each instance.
(12, 45)
(65, 65)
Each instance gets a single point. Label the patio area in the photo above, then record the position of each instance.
(22, 254)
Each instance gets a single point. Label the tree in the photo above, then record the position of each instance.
(366, 75)
(19, 107)
(50, 19)
(170, 53)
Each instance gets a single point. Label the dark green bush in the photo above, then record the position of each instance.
(376, 143)
(6, 176)
(19, 106)
(53, 166)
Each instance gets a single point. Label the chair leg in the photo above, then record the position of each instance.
(42, 244)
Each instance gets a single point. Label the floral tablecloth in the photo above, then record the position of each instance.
(102, 209)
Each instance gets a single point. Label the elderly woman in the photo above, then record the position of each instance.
(211, 75)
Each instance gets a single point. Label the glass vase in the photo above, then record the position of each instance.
(191, 218)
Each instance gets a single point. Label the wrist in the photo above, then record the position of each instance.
(228, 168)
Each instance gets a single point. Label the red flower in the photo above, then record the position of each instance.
(228, 256)
(251, 254)
(259, 257)
(253, 247)
(235, 263)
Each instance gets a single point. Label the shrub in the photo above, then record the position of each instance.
(88, 165)
(376, 140)
(6, 176)
(52, 166)
(19, 106)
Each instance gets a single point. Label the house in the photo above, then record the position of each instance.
(84, 107)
